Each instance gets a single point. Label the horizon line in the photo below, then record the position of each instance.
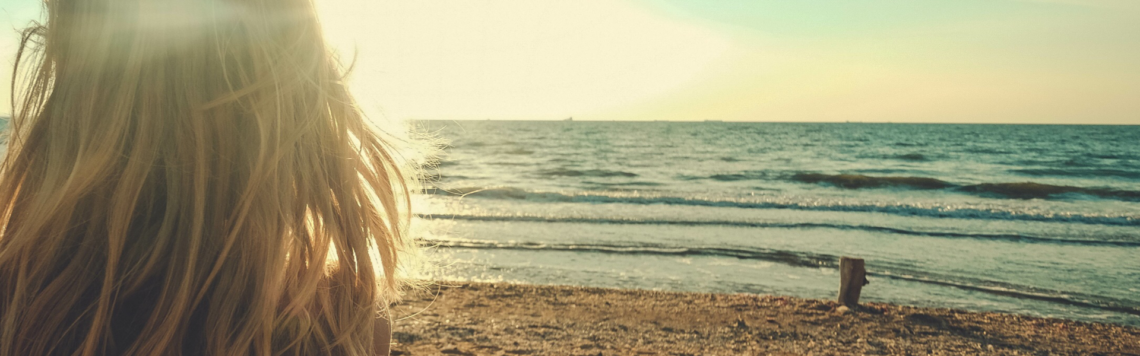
(8, 117)
(795, 122)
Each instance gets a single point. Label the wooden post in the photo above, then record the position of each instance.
(852, 278)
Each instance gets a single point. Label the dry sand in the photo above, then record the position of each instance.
(509, 319)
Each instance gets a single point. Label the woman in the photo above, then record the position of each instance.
(188, 177)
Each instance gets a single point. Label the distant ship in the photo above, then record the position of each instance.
(568, 119)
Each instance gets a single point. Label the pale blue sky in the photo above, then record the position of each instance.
(1016, 61)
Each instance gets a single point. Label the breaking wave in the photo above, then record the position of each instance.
(902, 209)
(872, 228)
(813, 260)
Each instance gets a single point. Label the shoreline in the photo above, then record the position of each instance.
(467, 318)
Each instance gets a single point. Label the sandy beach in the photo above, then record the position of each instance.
(509, 319)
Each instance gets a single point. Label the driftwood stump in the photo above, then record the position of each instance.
(852, 278)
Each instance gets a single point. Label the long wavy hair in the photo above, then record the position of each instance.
(189, 177)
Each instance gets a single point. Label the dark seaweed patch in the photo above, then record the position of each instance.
(1030, 190)
(1025, 190)
(911, 157)
(858, 181)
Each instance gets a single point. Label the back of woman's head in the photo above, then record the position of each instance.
(191, 177)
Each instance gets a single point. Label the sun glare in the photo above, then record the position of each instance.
(514, 59)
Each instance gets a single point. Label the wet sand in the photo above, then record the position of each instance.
(509, 319)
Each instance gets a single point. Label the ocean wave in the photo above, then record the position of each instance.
(797, 259)
(466, 144)
(813, 260)
(1010, 290)
(752, 224)
(436, 176)
(932, 211)
(1107, 156)
(1088, 160)
(1060, 163)
(883, 171)
(1089, 173)
(623, 184)
(732, 177)
(986, 150)
(1023, 190)
(566, 172)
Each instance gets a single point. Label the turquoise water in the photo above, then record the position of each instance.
(1038, 220)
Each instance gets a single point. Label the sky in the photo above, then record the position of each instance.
(971, 61)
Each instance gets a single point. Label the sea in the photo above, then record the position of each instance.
(1039, 220)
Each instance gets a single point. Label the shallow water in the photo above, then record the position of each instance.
(1040, 220)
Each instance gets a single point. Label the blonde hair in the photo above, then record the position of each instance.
(192, 177)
